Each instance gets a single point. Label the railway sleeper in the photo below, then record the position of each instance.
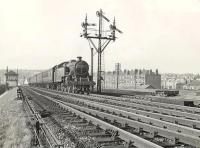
(68, 117)
(115, 146)
(166, 142)
(166, 133)
(80, 124)
(164, 105)
(159, 110)
(90, 128)
(152, 122)
(95, 133)
(148, 135)
(184, 122)
(109, 140)
(76, 121)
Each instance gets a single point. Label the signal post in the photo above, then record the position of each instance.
(103, 40)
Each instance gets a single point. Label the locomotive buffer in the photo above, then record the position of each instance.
(103, 40)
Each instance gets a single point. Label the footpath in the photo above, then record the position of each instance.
(13, 130)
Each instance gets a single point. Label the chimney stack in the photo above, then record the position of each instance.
(150, 71)
(156, 71)
(136, 71)
(79, 58)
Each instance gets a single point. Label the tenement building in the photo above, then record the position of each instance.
(132, 79)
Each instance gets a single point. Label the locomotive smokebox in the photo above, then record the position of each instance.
(79, 58)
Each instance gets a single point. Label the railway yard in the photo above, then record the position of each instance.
(87, 121)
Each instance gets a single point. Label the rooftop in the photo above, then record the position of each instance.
(11, 73)
(195, 83)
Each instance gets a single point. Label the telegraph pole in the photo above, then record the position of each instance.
(17, 77)
(135, 76)
(7, 78)
(103, 40)
(92, 67)
(117, 72)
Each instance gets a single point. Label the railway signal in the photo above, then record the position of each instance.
(103, 40)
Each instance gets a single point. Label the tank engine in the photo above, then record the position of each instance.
(70, 76)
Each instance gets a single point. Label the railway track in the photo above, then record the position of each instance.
(119, 112)
(46, 139)
(146, 100)
(187, 116)
(68, 135)
(106, 135)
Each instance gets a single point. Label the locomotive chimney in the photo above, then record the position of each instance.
(150, 71)
(79, 58)
(156, 71)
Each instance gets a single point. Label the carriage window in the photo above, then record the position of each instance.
(67, 70)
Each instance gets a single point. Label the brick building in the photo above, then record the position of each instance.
(153, 79)
(132, 79)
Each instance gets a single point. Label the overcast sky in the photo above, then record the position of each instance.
(163, 34)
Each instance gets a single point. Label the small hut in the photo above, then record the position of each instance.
(11, 79)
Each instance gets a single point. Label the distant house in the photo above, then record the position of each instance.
(146, 87)
(179, 86)
(194, 85)
(132, 79)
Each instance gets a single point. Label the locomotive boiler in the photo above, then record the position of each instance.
(70, 76)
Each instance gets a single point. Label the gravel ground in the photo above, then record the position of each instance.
(13, 130)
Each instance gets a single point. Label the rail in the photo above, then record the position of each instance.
(49, 136)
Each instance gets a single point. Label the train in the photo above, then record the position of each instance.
(71, 76)
(168, 93)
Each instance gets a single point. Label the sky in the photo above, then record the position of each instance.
(157, 34)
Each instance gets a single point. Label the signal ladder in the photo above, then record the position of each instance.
(103, 70)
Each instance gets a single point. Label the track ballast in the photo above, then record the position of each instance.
(126, 122)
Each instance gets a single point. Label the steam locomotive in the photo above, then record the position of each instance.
(71, 76)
